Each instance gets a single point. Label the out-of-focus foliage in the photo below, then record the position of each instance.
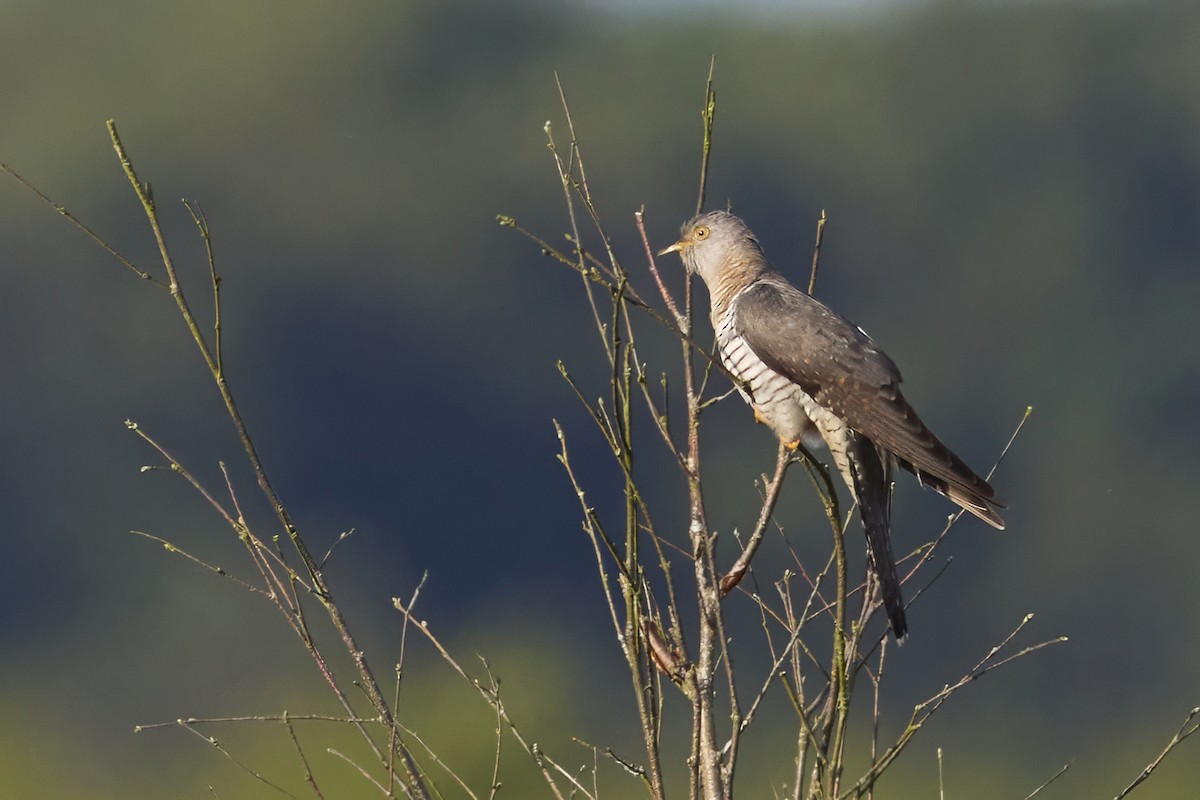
(1014, 194)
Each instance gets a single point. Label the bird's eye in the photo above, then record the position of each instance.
(701, 231)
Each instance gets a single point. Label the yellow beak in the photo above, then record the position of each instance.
(675, 248)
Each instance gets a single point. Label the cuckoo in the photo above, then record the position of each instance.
(812, 376)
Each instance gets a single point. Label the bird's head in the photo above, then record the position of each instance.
(712, 243)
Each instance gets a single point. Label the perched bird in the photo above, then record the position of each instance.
(812, 376)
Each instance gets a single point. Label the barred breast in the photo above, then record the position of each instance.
(782, 405)
(775, 398)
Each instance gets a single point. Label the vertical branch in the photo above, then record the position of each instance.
(713, 781)
(636, 613)
(706, 114)
(804, 736)
(816, 259)
(836, 702)
(839, 695)
(621, 355)
(206, 236)
(565, 175)
(876, 682)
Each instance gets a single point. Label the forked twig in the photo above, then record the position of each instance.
(1189, 727)
(544, 763)
(734, 576)
(258, 776)
(926, 709)
(283, 586)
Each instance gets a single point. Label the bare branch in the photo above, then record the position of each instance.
(71, 218)
(734, 576)
(232, 758)
(1189, 727)
(816, 258)
(707, 114)
(1052, 779)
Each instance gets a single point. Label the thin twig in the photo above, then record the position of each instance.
(341, 538)
(540, 759)
(258, 776)
(360, 770)
(1188, 728)
(926, 709)
(319, 587)
(71, 218)
(738, 570)
(284, 717)
(308, 775)
(816, 258)
(201, 221)
(495, 787)
(1052, 779)
(941, 777)
(171, 547)
(662, 287)
(953, 519)
(617, 427)
(707, 114)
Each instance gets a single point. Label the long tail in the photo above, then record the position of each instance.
(870, 485)
(964, 488)
(896, 427)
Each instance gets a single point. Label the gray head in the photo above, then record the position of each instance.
(719, 247)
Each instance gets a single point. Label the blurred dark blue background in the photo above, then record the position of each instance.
(1014, 195)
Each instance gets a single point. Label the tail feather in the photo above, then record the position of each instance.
(899, 431)
(973, 501)
(870, 485)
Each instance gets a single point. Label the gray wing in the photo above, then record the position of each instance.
(839, 366)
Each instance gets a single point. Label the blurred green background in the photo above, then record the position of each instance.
(1014, 195)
